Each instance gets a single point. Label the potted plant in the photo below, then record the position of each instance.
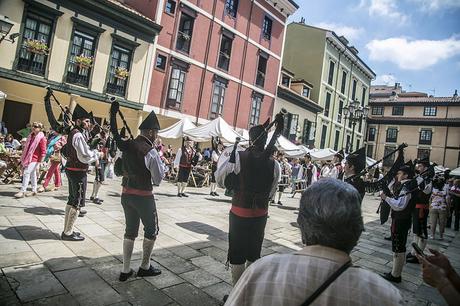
(121, 73)
(36, 46)
(185, 36)
(83, 61)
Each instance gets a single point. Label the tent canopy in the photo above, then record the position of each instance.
(455, 172)
(282, 143)
(177, 129)
(215, 128)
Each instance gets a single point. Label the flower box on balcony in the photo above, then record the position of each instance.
(36, 46)
(83, 62)
(121, 73)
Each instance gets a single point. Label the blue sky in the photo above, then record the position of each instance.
(414, 42)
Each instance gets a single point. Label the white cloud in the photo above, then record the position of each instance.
(349, 32)
(384, 8)
(384, 79)
(434, 5)
(413, 54)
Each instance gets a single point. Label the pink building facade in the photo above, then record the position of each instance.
(216, 58)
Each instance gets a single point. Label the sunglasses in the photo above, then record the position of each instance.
(36, 126)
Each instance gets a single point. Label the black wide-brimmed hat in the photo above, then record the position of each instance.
(340, 154)
(150, 123)
(80, 113)
(408, 168)
(357, 159)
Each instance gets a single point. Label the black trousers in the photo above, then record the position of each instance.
(245, 238)
(140, 208)
(100, 172)
(183, 175)
(420, 222)
(399, 232)
(455, 214)
(77, 188)
(213, 172)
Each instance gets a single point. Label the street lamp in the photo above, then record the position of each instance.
(5, 28)
(355, 113)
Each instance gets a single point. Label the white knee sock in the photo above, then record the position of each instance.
(184, 184)
(213, 187)
(95, 187)
(66, 216)
(398, 264)
(237, 270)
(279, 196)
(73, 214)
(147, 248)
(179, 187)
(128, 246)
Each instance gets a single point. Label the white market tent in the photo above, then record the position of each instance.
(455, 172)
(177, 129)
(215, 128)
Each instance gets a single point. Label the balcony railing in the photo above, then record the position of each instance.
(32, 62)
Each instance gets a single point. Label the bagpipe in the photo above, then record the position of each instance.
(66, 115)
(231, 181)
(118, 137)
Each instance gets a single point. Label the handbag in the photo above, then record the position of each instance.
(326, 284)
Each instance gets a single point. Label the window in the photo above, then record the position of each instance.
(161, 62)
(306, 92)
(370, 150)
(371, 134)
(261, 69)
(255, 109)
(377, 110)
(308, 132)
(339, 113)
(170, 7)
(423, 153)
(392, 135)
(291, 122)
(363, 96)
(336, 141)
(37, 31)
(176, 87)
(389, 161)
(344, 82)
(267, 28)
(218, 96)
(327, 104)
(225, 52)
(231, 7)
(398, 111)
(83, 46)
(119, 70)
(429, 111)
(425, 137)
(184, 36)
(330, 77)
(353, 92)
(286, 81)
(323, 137)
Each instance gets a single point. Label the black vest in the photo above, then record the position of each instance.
(254, 180)
(135, 173)
(406, 213)
(72, 159)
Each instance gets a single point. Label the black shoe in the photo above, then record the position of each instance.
(389, 277)
(179, 195)
(213, 194)
(279, 203)
(225, 298)
(82, 213)
(124, 276)
(91, 198)
(412, 260)
(388, 238)
(184, 195)
(72, 237)
(216, 194)
(76, 233)
(272, 201)
(409, 255)
(150, 272)
(97, 201)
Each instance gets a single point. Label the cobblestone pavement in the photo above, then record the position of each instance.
(38, 268)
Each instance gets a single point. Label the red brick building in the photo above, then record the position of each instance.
(216, 58)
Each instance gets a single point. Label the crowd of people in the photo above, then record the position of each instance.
(329, 218)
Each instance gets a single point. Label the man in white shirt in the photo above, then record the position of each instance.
(330, 223)
(142, 168)
(79, 157)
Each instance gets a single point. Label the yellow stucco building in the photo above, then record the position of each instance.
(430, 126)
(338, 77)
(86, 50)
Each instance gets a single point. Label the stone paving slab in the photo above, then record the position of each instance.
(191, 250)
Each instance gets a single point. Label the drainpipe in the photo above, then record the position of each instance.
(243, 65)
(206, 58)
(348, 101)
(335, 97)
(445, 141)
